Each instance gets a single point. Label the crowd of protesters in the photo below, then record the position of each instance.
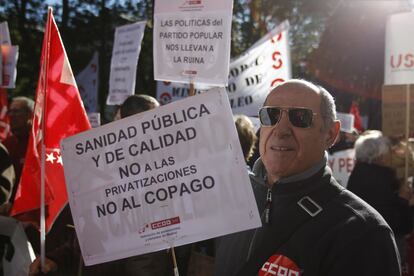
(289, 153)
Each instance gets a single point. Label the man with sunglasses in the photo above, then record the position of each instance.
(311, 225)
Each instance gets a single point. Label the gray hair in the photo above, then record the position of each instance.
(370, 145)
(328, 107)
(29, 102)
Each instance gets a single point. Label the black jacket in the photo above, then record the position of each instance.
(348, 237)
(378, 186)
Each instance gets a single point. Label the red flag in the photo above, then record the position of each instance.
(4, 119)
(357, 121)
(58, 113)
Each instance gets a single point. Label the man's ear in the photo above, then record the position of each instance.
(332, 135)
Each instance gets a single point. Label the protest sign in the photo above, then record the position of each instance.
(399, 49)
(251, 77)
(94, 119)
(342, 163)
(192, 41)
(87, 81)
(394, 110)
(166, 177)
(347, 121)
(10, 55)
(17, 253)
(4, 33)
(127, 46)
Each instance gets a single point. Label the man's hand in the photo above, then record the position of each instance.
(50, 266)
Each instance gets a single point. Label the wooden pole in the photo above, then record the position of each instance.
(191, 92)
(176, 273)
(407, 132)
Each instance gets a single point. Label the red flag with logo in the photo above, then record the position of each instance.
(358, 121)
(58, 113)
(4, 119)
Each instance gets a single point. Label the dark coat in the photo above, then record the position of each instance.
(348, 237)
(378, 186)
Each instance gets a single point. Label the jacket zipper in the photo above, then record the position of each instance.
(268, 206)
(265, 215)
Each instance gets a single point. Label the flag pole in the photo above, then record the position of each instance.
(191, 92)
(43, 153)
(407, 132)
(176, 273)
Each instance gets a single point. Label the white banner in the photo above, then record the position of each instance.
(10, 55)
(127, 46)
(399, 49)
(87, 81)
(252, 75)
(192, 41)
(4, 33)
(342, 163)
(94, 119)
(166, 177)
(347, 121)
(17, 252)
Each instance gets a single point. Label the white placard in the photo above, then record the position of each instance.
(16, 246)
(251, 77)
(347, 121)
(94, 119)
(87, 81)
(4, 33)
(342, 163)
(166, 177)
(192, 41)
(127, 46)
(399, 49)
(10, 55)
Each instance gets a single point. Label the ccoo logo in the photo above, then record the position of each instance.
(279, 265)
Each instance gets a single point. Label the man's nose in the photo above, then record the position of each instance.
(283, 127)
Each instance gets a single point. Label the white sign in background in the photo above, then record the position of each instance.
(8, 60)
(87, 81)
(10, 55)
(399, 49)
(342, 163)
(252, 75)
(192, 41)
(166, 177)
(125, 52)
(347, 121)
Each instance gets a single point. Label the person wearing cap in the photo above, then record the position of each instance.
(311, 225)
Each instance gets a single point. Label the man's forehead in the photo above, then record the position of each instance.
(294, 93)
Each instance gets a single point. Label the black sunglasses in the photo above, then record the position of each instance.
(298, 116)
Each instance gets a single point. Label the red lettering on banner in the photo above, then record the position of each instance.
(402, 60)
(346, 164)
(279, 37)
(331, 162)
(279, 265)
(165, 223)
(278, 60)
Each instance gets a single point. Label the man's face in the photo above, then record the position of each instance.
(285, 149)
(20, 117)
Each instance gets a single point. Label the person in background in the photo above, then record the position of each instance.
(311, 224)
(374, 180)
(247, 136)
(7, 179)
(20, 113)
